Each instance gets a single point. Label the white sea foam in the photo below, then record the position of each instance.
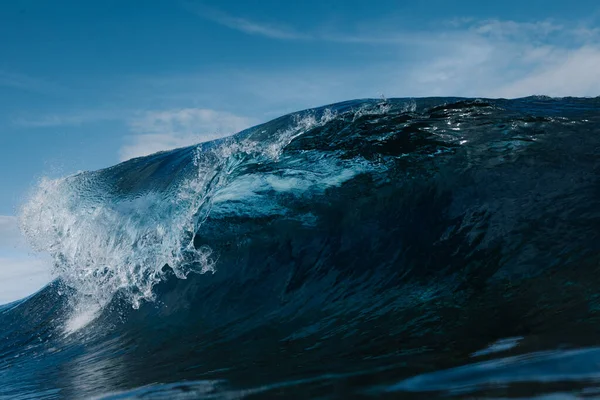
(103, 241)
(101, 245)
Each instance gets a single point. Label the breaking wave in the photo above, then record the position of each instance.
(399, 247)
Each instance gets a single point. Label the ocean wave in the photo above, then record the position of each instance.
(366, 248)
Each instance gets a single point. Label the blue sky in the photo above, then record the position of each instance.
(84, 85)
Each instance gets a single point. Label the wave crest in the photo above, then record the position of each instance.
(115, 230)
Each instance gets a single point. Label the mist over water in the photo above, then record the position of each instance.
(372, 248)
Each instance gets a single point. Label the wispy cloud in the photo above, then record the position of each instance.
(71, 118)
(256, 28)
(283, 32)
(515, 30)
(150, 131)
(532, 33)
(168, 129)
(27, 83)
(280, 31)
(269, 30)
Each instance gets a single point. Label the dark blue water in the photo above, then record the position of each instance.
(423, 248)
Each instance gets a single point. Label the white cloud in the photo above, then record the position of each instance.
(169, 129)
(509, 59)
(569, 72)
(21, 273)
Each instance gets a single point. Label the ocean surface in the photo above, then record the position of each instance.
(401, 248)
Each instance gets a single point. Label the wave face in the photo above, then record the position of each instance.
(399, 248)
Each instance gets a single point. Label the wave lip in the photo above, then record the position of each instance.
(368, 248)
